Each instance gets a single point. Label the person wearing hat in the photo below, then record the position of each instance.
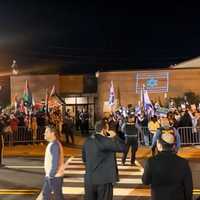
(165, 128)
(98, 155)
(168, 175)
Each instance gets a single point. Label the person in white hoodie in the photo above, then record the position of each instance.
(53, 165)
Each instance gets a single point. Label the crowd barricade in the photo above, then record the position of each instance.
(189, 135)
(25, 135)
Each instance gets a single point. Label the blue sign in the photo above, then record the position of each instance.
(151, 83)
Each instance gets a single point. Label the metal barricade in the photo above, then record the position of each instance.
(189, 135)
(25, 135)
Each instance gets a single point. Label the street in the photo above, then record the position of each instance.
(22, 179)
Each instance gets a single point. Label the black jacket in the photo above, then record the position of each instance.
(100, 161)
(131, 133)
(169, 176)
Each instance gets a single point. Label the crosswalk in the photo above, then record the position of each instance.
(129, 186)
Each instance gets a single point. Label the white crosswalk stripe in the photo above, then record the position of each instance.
(128, 186)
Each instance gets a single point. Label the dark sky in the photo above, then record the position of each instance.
(69, 36)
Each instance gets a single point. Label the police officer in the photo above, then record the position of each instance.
(131, 139)
(166, 128)
(84, 122)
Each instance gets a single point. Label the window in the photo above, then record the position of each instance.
(70, 100)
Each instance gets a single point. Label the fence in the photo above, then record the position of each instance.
(188, 135)
(25, 135)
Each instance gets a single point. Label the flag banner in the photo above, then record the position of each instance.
(148, 106)
(27, 96)
(106, 107)
(111, 94)
(155, 82)
(53, 91)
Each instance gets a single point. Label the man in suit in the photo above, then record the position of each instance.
(168, 174)
(100, 162)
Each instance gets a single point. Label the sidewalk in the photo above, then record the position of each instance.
(192, 152)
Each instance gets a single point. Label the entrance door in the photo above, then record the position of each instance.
(78, 104)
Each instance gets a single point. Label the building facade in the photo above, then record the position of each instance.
(161, 84)
(90, 93)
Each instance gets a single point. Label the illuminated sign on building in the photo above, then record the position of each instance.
(155, 82)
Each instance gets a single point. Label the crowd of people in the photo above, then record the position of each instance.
(147, 125)
(99, 156)
(29, 127)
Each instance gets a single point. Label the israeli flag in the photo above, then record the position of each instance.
(148, 106)
(111, 95)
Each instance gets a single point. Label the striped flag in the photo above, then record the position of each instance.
(111, 95)
(146, 102)
(21, 106)
(33, 101)
(16, 102)
(148, 106)
(47, 100)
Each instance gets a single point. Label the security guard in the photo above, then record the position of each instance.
(131, 139)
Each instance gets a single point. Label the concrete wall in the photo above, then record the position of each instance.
(4, 91)
(180, 81)
(71, 84)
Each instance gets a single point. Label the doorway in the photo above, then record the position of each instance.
(76, 104)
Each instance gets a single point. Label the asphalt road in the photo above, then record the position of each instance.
(22, 178)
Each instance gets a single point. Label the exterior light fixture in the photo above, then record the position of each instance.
(97, 74)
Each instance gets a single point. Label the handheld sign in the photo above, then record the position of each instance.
(162, 112)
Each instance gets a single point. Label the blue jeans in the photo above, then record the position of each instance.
(53, 185)
(147, 140)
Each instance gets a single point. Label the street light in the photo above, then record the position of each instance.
(97, 74)
(14, 67)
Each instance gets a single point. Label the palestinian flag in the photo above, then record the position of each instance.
(27, 96)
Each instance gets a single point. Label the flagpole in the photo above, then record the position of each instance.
(47, 102)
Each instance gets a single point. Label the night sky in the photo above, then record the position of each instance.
(73, 37)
